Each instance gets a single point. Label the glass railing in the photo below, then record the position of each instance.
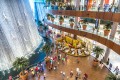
(96, 9)
(89, 30)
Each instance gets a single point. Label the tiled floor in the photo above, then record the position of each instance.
(85, 66)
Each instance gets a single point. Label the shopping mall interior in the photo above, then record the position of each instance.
(59, 40)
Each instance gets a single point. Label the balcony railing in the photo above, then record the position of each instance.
(115, 17)
(114, 43)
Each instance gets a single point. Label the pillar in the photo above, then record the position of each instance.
(119, 6)
(101, 4)
(112, 35)
(77, 5)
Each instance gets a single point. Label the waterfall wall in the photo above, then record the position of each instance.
(39, 10)
(18, 32)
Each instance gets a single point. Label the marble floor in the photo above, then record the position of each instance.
(85, 66)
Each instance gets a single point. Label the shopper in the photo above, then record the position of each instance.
(36, 69)
(10, 77)
(108, 61)
(98, 7)
(115, 9)
(101, 65)
(67, 78)
(77, 60)
(44, 76)
(116, 69)
(76, 77)
(85, 77)
(110, 66)
(117, 72)
(71, 73)
(63, 60)
(79, 74)
(63, 75)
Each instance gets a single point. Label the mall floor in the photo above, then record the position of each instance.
(85, 66)
(114, 57)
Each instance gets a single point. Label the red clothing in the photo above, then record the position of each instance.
(86, 75)
(36, 69)
(10, 77)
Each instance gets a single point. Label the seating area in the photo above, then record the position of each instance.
(72, 47)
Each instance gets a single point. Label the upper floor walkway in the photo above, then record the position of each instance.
(115, 17)
(99, 37)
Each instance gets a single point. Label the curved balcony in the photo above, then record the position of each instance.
(115, 17)
(99, 37)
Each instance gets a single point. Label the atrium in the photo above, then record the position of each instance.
(60, 40)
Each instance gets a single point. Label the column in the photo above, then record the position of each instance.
(77, 5)
(119, 6)
(101, 4)
(112, 35)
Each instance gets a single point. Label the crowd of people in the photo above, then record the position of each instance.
(105, 7)
(52, 64)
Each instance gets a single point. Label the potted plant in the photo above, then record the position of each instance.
(84, 24)
(107, 28)
(52, 18)
(97, 51)
(71, 21)
(111, 76)
(48, 16)
(21, 64)
(47, 48)
(61, 20)
(48, 2)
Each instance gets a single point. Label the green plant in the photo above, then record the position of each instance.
(48, 15)
(20, 63)
(61, 18)
(90, 20)
(71, 20)
(39, 23)
(52, 16)
(107, 26)
(98, 51)
(47, 48)
(111, 76)
(85, 21)
(48, 1)
(45, 28)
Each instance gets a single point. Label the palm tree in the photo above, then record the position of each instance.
(47, 48)
(20, 64)
(111, 76)
(98, 51)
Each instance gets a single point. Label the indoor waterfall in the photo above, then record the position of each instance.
(18, 32)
